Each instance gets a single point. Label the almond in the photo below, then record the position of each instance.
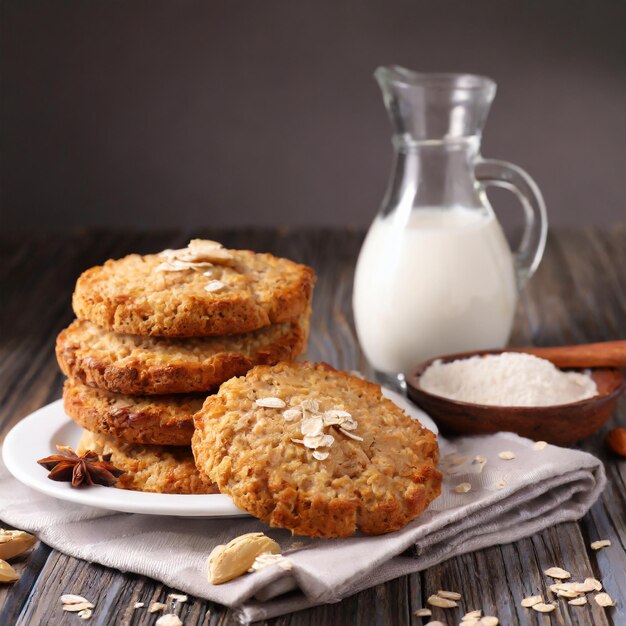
(442, 603)
(557, 572)
(14, 542)
(76, 608)
(71, 598)
(423, 613)
(616, 440)
(237, 557)
(604, 599)
(7, 573)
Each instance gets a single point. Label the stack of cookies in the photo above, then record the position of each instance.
(156, 333)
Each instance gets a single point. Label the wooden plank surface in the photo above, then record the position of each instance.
(579, 294)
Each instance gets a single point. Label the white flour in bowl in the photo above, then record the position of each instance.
(507, 379)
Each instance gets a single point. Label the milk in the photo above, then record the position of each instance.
(441, 281)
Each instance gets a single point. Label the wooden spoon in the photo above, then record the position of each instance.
(603, 354)
(559, 424)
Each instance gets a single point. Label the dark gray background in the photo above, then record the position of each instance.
(224, 112)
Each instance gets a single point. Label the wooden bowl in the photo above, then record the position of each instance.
(558, 424)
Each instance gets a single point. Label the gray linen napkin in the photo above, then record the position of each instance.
(509, 499)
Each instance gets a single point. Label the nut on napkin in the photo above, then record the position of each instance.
(237, 557)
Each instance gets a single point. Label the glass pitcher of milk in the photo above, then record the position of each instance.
(435, 274)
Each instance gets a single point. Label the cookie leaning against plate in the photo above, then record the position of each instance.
(141, 365)
(156, 469)
(155, 420)
(320, 452)
(201, 290)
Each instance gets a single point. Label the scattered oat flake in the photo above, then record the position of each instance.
(604, 599)
(350, 435)
(434, 623)
(268, 558)
(506, 455)
(423, 613)
(594, 583)
(177, 597)
(270, 403)
(442, 603)
(209, 247)
(578, 601)
(85, 614)
(70, 598)
(501, 484)
(156, 606)
(327, 440)
(138, 605)
(312, 441)
(318, 441)
(479, 459)
(602, 543)
(349, 424)
(173, 266)
(472, 615)
(337, 414)
(291, 414)
(330, 420)
(540, 445)
(199, 253)
(320, 455)
(79, 606)
(489, 620)
(310, 405)
(312, 426)
(214, 285)
(531, 600)
(463, 488)
(170, 619)
(457, 460)
(557, 572)
(450, 595)
(541, 607)
(567, 593)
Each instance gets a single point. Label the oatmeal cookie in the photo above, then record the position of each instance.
(320, 452)
(193, 292)
(157, 469)
(142, 365)
(155, 420)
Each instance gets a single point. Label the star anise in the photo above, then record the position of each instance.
(87, 468)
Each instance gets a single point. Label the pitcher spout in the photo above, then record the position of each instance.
(434, 107)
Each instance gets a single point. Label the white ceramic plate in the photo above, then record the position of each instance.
(36, 435)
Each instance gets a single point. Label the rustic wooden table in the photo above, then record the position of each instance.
(578, 294)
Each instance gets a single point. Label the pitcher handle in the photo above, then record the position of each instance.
(493, 173)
